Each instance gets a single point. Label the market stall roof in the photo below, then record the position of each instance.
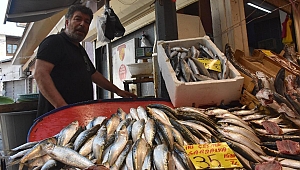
(31, 10)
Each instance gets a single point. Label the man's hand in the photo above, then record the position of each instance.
(126, 94)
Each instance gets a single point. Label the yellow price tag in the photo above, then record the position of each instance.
(267, 52)
(212, 156)
(211, 64)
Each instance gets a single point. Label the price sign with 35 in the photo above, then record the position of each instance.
(212, 156)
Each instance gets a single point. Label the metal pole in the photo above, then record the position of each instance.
(109, 55)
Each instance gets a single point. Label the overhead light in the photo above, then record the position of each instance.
(258, 7)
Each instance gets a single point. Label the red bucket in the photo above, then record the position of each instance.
(52, 122)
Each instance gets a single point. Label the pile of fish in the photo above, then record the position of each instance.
(153, 137)
(188, 67)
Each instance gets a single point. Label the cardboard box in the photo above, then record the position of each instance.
(202, 93)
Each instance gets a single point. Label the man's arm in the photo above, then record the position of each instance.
(102, 82)
(45, 83)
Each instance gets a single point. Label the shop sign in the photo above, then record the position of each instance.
(212, 156)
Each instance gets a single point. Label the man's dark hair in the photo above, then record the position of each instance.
(81, 8)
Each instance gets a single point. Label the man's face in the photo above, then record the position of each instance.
(78, 26)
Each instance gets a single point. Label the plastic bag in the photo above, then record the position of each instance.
(109, 26)
(101, 26)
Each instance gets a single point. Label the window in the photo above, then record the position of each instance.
(11, 48)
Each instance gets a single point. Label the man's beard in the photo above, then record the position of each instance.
(75, 37)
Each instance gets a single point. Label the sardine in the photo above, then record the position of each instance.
(118, 146)
(161, 157)
(140, 150)
(67, 133)
(142, 114)
(150, 131)
(121, 158)
(84, 136)
(99, 143)
(67, 156)
(137, 129)
(87, 147)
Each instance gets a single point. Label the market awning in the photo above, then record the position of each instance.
(25, 11)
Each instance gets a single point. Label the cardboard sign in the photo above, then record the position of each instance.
(212, 156)
(211, 64)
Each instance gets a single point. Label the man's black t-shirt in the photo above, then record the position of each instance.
(71, 73)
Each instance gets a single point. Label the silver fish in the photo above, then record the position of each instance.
(84, 136)
(99, 143)
(121, 158)
(67, 156)
(118, 146)
(49, 164)
(201, 67)
(121, 113)
(237, 129)
(133, 113)
(112, 124)
(231, 116)
(150, 131)
(87, 147)
(243, 140)
(142, 114)
(137, 129)
(140, 150)
(161, 156)
(129, 160)
(67, 133)
(185, 69)
(36, 151)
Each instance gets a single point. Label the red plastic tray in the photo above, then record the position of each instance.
(52, 122)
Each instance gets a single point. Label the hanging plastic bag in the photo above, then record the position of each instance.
(101, 27)
(109, 26)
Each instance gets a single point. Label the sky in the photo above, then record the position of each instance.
(9, 28)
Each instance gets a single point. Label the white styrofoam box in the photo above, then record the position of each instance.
(202, 93)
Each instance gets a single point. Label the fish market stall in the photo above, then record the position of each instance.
(199, 128)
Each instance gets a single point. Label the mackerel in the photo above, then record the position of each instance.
(236, 122)
(231, 116)
(243, 140)
(187, 135)
(243, 150)
(237, 129)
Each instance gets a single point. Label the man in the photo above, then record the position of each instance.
(63, 71)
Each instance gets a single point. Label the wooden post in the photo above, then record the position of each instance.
(229, 26)
(166, 29)
(296, 20)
